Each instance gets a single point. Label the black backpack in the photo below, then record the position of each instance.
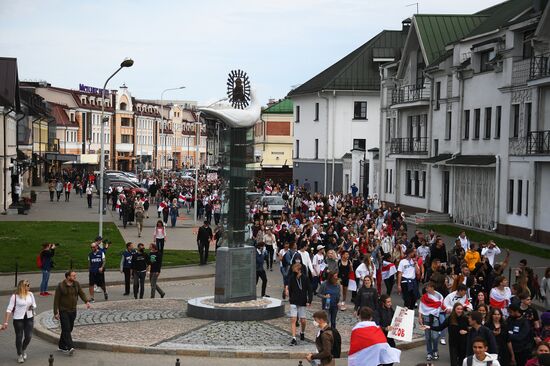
(470, 361)
(336, 343)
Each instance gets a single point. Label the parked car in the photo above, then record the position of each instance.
(275, 204)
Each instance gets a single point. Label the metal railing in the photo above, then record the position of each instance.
(538, 142)
(409, 145)
(409, 94)
(539, 67)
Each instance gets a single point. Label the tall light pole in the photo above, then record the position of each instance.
(126, 63)
(163, 125)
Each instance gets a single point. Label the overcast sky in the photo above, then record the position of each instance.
(280, 43)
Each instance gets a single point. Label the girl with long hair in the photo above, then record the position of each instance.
(21, 308)
(457, 323)
(159, 237)
(500, 295)
(497, 324)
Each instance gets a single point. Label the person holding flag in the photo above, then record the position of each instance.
(388, 272)
(368, 345)
(431, 303)
(499, 297)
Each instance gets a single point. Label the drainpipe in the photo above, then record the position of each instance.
(429, 123)
(326, 150)
(333, 139)
(497, 192)
(460, 78)
(533, 208)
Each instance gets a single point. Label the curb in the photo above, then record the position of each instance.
(117, 283)
(52, 337)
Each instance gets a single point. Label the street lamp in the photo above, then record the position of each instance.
(163, 125)
(128, 62)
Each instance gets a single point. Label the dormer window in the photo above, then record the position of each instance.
(123, 106)
(486, 60)
(83, 99)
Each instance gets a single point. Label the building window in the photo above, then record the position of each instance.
(316, 186)
(488, 117)
(391, 180)
(126, 139)
(510, 195)
(408, 182)
(515, 120)
(297, 149)
(477, 123)
(497, 122)
(297, 117)
(448, 125)
(388, 129)
(527, 44)
(123, 106)
(359, 144)
(360, 110)
(316, 114)
(316, 150)
(528, 116)
(386, 176)
(486, 60)
(437, 94)
(436, 147)
(520, 197)
(466, 124)
(416, 183)
(125, 122)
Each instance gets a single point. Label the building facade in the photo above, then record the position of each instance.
(273, 142)
(337, 112)
(464, 119)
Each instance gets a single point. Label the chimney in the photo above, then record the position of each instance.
(406, 24)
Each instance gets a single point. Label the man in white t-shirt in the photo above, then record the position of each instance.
(480, 356)
(490, 252)
(406, 279)
(319, 265)
(460, 295)
(464, 241)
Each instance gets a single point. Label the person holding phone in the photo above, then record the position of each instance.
(21, 308)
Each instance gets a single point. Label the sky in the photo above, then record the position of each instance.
(279, 43)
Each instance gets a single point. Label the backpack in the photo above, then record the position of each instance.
(336, 350)
(39, 260)
(470, 361)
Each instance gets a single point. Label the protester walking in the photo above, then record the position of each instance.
(204, 237)
(51, 189)
(140, 266)
(96, 268)
(406, 279)
(46, 265)
(89, 195)
(68, 186)
(261, 255)
(430, 305)
(58, 189)
(457, 322)
(126, 266)
(330, 292)
(300, 294)
(21, 308)
(156, 263)
(139, 212)
(64, 308)
(159, 237)
(324, 342)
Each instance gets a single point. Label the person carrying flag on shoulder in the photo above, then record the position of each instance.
(431, 303)
(368, 345)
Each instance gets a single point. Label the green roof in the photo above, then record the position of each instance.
(500, 15)
(437, 31)
(284, 106)
(357, 71)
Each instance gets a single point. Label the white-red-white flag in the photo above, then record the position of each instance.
(369, 346)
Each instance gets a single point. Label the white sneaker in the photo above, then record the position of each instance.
(97, 289)
(20, 359)
(442, 341)
(25, 356)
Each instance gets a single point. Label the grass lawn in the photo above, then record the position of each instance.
(22, 241)
(476, 236)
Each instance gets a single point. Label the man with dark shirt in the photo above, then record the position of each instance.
(204, 236)
(478, 330)
(520, 334)
(126, 266)
(140, 265)
(438, 251)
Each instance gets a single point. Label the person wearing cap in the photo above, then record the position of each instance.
(319, 265)
(204, 236)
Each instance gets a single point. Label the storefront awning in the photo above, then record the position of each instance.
(61, 157)
(89, 159)
(472, 160)
(437, 158)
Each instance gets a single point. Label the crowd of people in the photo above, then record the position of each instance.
(351, 252)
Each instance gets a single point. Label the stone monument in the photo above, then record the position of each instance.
(235, 283)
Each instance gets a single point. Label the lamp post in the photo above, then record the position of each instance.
(163, 125)
(126, 63)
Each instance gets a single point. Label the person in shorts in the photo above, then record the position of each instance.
(300, 294)
(96, 268)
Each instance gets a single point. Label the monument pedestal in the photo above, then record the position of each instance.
(235, 274)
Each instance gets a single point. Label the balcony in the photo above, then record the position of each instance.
(410, 94)
(538, 142)
(539, 67)
(409, 145)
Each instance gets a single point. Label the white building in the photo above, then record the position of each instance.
(337, 119)
(466, 120)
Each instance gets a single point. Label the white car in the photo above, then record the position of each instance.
(275, 204)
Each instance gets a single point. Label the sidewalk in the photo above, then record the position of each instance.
(111, 277)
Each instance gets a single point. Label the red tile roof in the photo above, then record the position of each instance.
(61, 117)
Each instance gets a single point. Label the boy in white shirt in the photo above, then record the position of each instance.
(480, 356)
